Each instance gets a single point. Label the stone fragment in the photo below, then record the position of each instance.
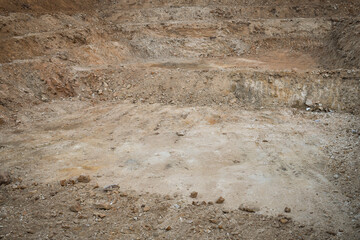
(220, 200)
(102, 206)
(63, 182)
(284, 220)
(75, 208)
(248, 209)
(83, 178)
(232, 101)
(180, 134)
(21, 187)
(168, 197)
(287, 209)
(99, 215)
(213, 221)
(195, 203)
(111, 187)
(71, 181)
(226, 211)
(331, 233)
(194, 194)
(308, 102)
(123, 194)
(146, 209)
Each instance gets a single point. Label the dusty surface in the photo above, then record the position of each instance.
(255, 101)
(266, 160)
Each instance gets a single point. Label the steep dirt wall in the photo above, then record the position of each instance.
(319, 90)
(343, 44)
(42, 6)
(170, 49)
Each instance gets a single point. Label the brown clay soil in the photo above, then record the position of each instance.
(179, 119)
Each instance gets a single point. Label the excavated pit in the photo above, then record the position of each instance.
(255, 101)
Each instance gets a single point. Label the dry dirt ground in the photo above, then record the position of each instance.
(262, 161)
(179, 119)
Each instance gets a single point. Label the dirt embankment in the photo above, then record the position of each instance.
(343, 44)
(49, 48)
(47, 6)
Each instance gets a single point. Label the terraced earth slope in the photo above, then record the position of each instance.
(255, 101)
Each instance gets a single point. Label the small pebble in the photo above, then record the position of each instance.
(193, 195)
(220, 200)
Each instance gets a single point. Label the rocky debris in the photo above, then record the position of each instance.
(99, 215)
(146, 208)
(211, 220)
(194, 194)
(168, 197)
(330, 232)
(71, 182)
(75, 208)
(287, 210)
(65, 226)
(197, 203)
(102, 206)
(84, 178)
(232, 101)
(180, 134)
(63, 182)
(111, 187)
(315, 107)
(214, 221)
(283, 219)
(82, 216)
(225, 210)
(19, 186)
(220, 200)
(123, 194)
(309, 102)
(5, 178)
(30, 231)
(249, 209)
